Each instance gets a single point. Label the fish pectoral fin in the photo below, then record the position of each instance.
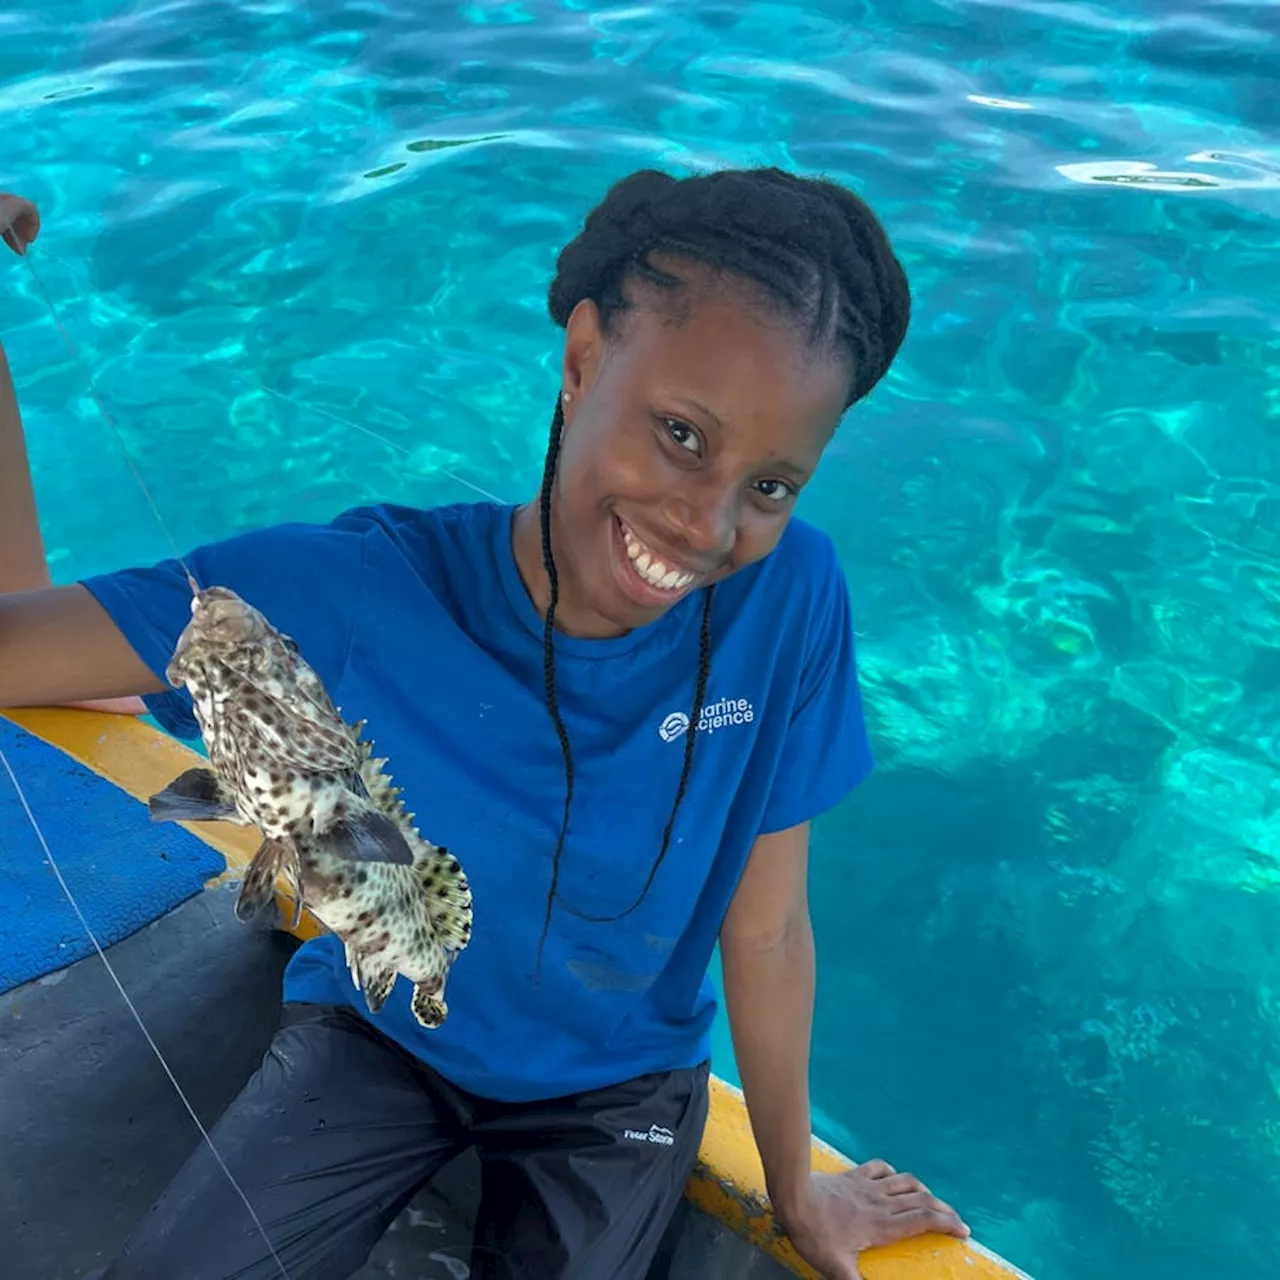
(290, 866)
(258, 886)
(194, 796)
(366, 836)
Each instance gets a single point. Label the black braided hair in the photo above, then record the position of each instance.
(815, 251)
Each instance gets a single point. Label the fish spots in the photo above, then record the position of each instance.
(296, 768)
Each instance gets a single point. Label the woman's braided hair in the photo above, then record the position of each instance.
(813, 248)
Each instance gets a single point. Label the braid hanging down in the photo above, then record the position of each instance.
(820, 255)
(549, 678)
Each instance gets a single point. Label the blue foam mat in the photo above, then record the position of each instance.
(124, 870)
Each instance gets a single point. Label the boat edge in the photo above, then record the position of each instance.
(728, 1181)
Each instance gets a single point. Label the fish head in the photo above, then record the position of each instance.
(220, 619)
(228, 631)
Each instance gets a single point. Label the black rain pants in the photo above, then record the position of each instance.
(339, 1127)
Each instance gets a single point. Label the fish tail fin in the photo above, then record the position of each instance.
(447, 894)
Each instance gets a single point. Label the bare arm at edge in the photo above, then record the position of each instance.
(766, 945)
(23, 567)
(22, 560)
(766, 951)
(58, 646)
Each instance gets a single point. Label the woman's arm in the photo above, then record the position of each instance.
(54, 647)
(59, 647)
(22, 561)
(766, 947)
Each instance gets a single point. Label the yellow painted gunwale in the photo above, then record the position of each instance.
(728, 1183)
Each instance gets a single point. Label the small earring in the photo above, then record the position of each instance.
(566, 396)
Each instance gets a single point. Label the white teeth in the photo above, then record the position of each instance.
(650, 568)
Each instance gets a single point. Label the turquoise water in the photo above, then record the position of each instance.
(1049, 927)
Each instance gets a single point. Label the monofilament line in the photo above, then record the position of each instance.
(137, 1017)
(102, 409)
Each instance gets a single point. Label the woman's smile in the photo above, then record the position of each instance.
(651, 578)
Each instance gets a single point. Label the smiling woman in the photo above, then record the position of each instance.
(716, 328)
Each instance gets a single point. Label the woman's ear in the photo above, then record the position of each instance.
(583, 352)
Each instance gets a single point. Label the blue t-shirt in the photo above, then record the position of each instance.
(418, 622)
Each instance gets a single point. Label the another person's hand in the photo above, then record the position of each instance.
(870, 1205)
(19, 222)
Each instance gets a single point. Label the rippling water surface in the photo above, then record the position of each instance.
(1049, 926)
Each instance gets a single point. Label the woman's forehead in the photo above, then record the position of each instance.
(722, 351)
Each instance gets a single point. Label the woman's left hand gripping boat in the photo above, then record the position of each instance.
(284, 760)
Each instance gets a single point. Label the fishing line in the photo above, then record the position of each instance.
(137, 1017)
(44, 844)
(303, 407)
(102, 409)
(356, 426)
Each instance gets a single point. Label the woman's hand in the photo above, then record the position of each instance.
(19, 222)
(872, 1204)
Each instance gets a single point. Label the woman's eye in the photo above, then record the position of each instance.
(776, 490)
(685, 437)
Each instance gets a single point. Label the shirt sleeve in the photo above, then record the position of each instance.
(827, 751)
(305, 579)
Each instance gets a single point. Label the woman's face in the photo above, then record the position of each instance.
(689, 432)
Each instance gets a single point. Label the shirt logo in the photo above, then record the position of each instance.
(673, 726)
(715, 715)
(655, 1133)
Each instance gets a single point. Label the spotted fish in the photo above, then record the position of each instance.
(284, 760)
